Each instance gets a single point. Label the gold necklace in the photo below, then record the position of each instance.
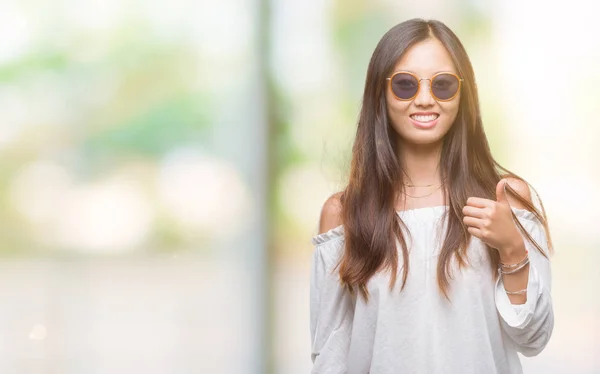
(427, 185)
(420, 197)
(413, 185)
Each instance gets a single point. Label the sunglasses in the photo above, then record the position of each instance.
(443, 86)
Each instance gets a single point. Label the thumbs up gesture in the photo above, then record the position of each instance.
(492, 221)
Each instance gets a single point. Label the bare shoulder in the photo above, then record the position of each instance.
(522, 188)
(331, 214)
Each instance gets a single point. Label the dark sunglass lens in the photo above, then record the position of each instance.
(404, 86)
(444, 86)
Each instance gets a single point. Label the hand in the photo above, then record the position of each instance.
(492, 222)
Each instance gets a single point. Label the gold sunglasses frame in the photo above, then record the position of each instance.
(389, 79)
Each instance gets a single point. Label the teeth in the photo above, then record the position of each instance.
(428, 118)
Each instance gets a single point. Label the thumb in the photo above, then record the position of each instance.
(500, 192)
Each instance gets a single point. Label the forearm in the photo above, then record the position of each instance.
(518, 280)
(526, 318)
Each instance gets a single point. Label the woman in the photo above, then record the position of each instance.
(430, 260)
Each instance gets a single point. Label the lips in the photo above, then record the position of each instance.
(424, 117)
(424, 121)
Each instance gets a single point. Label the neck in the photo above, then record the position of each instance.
(421, 163)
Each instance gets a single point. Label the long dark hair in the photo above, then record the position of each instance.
(372, 226)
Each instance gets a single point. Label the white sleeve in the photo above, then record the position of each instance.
(331, 308)
(530, 325)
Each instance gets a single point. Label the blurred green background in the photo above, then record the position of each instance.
(163, 166)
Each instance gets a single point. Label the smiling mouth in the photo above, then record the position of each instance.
(425, 118)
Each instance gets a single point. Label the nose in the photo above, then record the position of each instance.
(424, 98)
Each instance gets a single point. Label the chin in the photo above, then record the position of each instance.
(423, 139)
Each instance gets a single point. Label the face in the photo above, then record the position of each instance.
(423, 120)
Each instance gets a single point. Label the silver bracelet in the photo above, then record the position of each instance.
(516, 292)
(521, 266)
(511, 266)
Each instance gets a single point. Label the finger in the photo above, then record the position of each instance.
(473, 212)
(472, 222)
(479, 202)
(475, 232)
(501, 192)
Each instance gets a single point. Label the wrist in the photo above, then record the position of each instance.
(514, 253)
